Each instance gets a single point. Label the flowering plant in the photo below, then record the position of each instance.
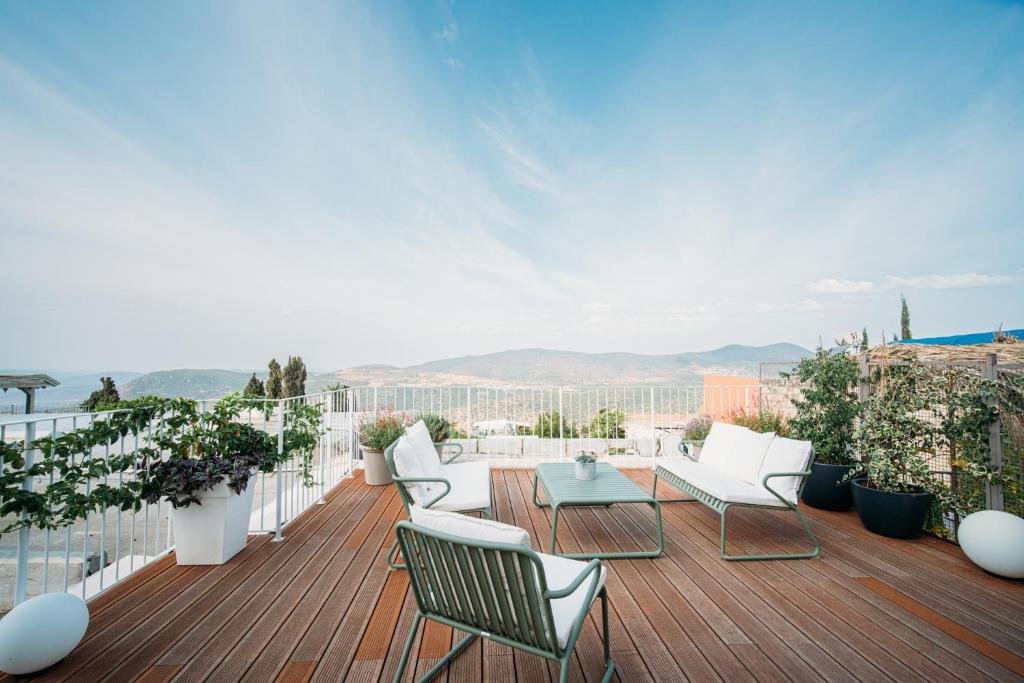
(698, 428)
(382, 431)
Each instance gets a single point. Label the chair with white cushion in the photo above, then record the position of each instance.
(482, 577)
(742, 468)
(423, 479)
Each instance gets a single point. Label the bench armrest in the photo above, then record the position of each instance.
(449, 444)
(684, 448)
(427, 480)
(592, 566)
(764, 482)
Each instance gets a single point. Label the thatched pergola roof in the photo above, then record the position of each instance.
(948, 353)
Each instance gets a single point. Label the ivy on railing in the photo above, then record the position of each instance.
(202, 449)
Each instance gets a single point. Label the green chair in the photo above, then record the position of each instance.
(504, 592)
(424, 479)
(741, 468)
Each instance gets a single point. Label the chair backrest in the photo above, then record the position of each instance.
(788, 455)
(736, 451)
(404, 492)
(496, 588)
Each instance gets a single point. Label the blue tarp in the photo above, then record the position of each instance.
(962, 339)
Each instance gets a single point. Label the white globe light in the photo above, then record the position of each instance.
(994, 541)
(40, 632)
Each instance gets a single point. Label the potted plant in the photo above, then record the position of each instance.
(375, 435)
(211, 456)
(440, 430)
(694, 433)
(586, 466)
(825, 415)
(916, 415)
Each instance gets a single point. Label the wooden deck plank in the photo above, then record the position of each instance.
(322, 605)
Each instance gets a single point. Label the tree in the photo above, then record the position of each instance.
(905, 319)
(608, 424)
(104, 396)
(275, 382)
(294, 377)
(827, 410)
(864, 340)
(548, 426)
(255, 388)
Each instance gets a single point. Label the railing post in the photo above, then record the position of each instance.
(21, 571)
(469, 413)
(279, 477)
(863, 379)
(993, 491)
(654, 433)
(561, 425)
(326, 441)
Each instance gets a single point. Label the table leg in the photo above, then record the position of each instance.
(554, 527)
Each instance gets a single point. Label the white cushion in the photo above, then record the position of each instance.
(419, 436)
(719, 484)
(409, 465)
(736, 451)
(471, 487)
(787, 455)
(468, 527)
(560, 572)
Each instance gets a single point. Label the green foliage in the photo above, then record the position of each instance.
(185, 451)
(828, 409)
(382, 431)
(275, 381)
(864, 340)
(608, 424)
(698, 428)
(762, 421)
(905, 319)
(586, 457)
(294, 377)
(548, 424)
(439, 427)
(255, 388)
(105, 395)
(458, 433)
(918, 414)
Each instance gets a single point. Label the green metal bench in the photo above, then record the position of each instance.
(698, 495)
(496, 591)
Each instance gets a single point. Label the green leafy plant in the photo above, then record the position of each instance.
(608, 424)
(382, 431)
(761, 421)
(585, 458)
(105, 395)
(552, 425)
(439, 427)
(698, 428)
(827, 410)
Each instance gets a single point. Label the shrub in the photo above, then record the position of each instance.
(828, 409)
(439, 427)
(106, 395)
(608, 424)
(698, 428)
(761, 421)
(382, 431)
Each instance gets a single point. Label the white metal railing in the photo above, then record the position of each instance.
(105, 547)
(500, 423)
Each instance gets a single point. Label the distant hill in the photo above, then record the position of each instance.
(74, 387)
(547, 366)
(187, 382)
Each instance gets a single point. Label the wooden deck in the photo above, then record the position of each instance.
(323, 606)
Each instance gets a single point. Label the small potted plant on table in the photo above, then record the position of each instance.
(375, 435)
(826, 414)
(586, 466)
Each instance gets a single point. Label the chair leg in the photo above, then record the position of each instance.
(609, 664)
(408, 646)
(446, 660)
(393, 556)
(771, 556)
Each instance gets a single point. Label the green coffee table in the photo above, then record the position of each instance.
(609, 487)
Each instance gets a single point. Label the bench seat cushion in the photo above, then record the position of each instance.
(468, 527)
(722, 486)
(471, 487)
(560, 572)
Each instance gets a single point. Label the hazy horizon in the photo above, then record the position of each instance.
(209, 185)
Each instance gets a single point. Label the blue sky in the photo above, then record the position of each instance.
(210, 184)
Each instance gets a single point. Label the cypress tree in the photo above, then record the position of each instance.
(105, 395)
(864, 340)
(905, 318)
(275, 382)
(294, 377)
(255, 388)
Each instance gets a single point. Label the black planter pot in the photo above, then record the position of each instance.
(897, 515)
(823, 489)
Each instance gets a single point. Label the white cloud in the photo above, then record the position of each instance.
(454, 62)
(449, 33)
(957, 281)
(840, 286)
(597, 307)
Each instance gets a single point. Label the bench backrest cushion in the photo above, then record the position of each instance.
(471, 528)
(409, 465)
(419, 435)
(736, 451)
(787, 455)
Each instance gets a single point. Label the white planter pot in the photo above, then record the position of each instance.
(586, 471)
(217, 530)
